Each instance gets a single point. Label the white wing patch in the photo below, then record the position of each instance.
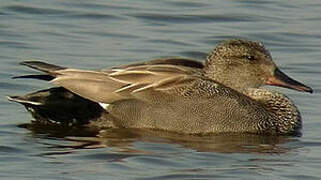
(104, 105)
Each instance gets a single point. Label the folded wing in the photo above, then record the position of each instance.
(140, 80)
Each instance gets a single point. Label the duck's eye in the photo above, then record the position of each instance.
(250, 57)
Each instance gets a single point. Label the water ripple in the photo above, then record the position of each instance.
(14, 44)
(99, 6)
(93, 16)
(181, 4)
(58, 12)
(35, 10)
(8, 149)
(178, 18)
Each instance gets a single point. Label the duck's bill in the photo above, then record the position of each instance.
(282, 80)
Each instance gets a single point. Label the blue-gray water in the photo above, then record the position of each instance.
(96, 34)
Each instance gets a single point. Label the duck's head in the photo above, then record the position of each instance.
(243, 64)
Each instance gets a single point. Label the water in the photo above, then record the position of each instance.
(97, 34)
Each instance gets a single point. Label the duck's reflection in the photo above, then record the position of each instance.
(124, 140)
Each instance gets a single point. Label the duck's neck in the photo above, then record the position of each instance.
(284, 114)
(235, 79)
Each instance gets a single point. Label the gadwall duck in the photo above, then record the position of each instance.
(180, 95)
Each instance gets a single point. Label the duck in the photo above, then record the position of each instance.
(222, 95)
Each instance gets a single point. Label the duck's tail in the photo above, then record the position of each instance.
(58, 105)
(23, 100)
(49, 69)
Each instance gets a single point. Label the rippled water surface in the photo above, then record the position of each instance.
(97, 34)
